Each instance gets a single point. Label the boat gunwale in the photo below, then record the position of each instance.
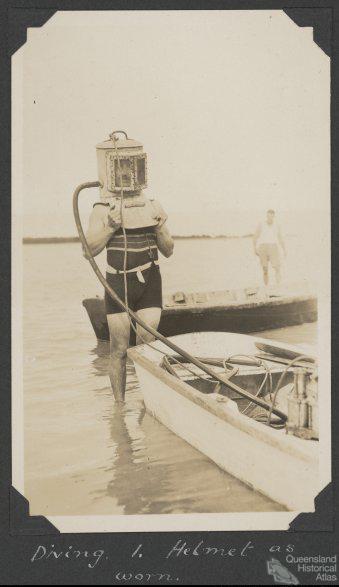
(286, 444)
(239, 305)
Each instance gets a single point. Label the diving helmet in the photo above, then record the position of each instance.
(121, 160)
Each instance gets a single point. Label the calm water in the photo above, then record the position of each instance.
(82, 454)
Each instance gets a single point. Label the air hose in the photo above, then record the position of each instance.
(219, 377)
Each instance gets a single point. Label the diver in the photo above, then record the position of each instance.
(133, 229)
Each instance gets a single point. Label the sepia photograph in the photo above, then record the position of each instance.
(171, 270)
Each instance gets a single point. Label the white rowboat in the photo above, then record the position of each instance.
(281, 466)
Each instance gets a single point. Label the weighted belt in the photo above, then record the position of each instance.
(138, 270)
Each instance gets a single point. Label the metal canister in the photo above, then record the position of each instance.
(313, 417)
(313, 409)
(293, 405)
(300, 382)
(297, 402)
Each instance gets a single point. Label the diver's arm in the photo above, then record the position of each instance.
(100, 228)
(164, 240)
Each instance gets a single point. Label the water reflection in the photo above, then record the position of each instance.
(100, 358)
(138, 483)
(153, 471)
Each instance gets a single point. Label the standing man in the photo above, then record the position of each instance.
(266, 241)
(133, 229)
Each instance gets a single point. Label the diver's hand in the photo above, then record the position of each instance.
(161, 219)
(114, 218)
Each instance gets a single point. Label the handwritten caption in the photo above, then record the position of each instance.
(180, 549)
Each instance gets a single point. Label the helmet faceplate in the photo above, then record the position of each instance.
(121, 158)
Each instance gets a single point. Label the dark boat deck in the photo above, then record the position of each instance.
(240, 311)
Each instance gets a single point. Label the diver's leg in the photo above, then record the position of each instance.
(148, 307)
(152, 317)
(119, 330)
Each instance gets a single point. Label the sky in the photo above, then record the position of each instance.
(232, 108)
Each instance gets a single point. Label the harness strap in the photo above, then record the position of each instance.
(138, 270)
(130, 249)
(135, 235)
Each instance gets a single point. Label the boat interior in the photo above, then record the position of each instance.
(280, 375)
(259, 380)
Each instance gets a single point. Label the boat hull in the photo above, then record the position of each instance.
(282, 467)
(243, 317)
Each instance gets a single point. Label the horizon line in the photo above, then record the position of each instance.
(60, 239)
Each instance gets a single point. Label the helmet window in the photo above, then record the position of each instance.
(141, 171)
(125, 172)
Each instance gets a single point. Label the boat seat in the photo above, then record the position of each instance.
(179, 297)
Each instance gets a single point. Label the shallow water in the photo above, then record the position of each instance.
(83, 455)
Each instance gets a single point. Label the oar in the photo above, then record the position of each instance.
(282, 361)
(279, 351)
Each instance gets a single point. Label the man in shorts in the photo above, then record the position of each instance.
(266, 241)
(144, 287)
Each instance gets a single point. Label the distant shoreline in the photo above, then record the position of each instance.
(40, 240)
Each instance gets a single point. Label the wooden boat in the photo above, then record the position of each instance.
(243, 311)
(280, 465)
